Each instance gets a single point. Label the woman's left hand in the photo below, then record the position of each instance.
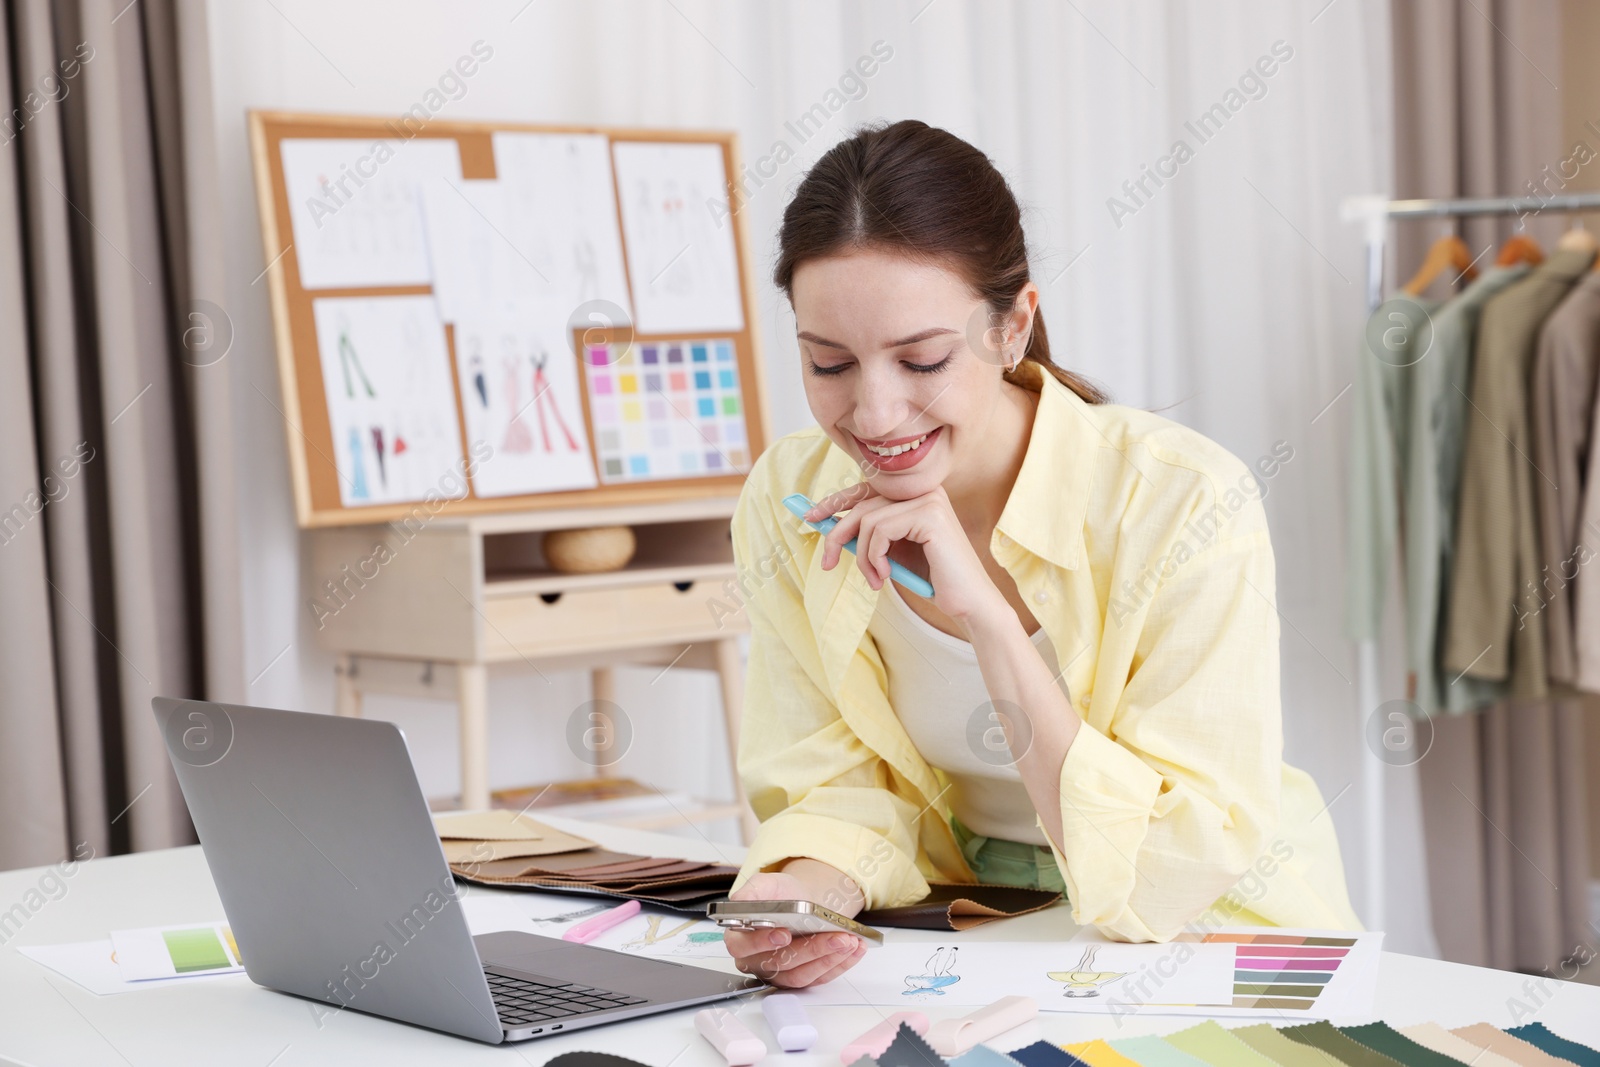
(962, 587)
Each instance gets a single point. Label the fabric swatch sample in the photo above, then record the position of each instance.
(1044, 1054)
(1323, 1035)
(1543, 1037)
(1512, 1048)
(983, 1056)
(909, 1050)
(1381, 1037)
(1098, 1053)
(1154, 1052)
(1265, 1039)
(1439, 1039)
(1215, 1044)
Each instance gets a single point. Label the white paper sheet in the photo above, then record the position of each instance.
(561, 208)
(355, 207)
(391, 406)
(1092, 974)
(1062, 976)
(519, 390)
(93, 966)
(172, 951)
(676, 218)
(481, 259)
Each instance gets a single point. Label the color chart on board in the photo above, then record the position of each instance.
(666, 409)
(1282, 970)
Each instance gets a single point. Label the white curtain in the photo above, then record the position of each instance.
(1230, 296)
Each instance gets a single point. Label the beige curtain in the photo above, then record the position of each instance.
(117, 549)
(1505, 806)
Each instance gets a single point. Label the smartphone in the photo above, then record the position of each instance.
(796, 916)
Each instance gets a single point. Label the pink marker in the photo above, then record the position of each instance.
(590, 929)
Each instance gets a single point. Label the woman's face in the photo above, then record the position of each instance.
(888, 359)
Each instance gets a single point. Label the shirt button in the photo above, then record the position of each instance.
(1040, 597)
(1004, 540)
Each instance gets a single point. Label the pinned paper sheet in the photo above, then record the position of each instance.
(520, 395)
(356, 208)
(391, 409)
(679, 229)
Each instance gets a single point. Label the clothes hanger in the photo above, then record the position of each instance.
(1578, 239)
(1520, 248)
(1448, 251)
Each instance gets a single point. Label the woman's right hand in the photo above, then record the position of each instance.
(783, 958)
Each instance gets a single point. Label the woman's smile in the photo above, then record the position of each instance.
(900, 453)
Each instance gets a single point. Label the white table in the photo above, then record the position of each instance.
(46, 1019)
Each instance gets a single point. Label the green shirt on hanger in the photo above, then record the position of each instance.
(1432, 478)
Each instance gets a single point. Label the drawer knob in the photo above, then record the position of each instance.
(549, 598)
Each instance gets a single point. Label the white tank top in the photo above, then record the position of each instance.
(936, 689)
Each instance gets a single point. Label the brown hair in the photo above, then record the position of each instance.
(924, 192)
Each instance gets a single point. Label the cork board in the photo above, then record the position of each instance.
(609, 356)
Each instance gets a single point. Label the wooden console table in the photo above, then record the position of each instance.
(422, 608)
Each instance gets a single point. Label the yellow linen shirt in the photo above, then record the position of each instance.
(1142, 548)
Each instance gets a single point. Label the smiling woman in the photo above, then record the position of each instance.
(1009, 729)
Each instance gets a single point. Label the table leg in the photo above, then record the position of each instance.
(730, 669)
(473, 697)
(346, 693)
(603, 679)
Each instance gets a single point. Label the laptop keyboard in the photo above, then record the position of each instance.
(524, 1000)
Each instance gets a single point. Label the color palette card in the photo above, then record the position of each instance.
(666, 409)
(175, 951)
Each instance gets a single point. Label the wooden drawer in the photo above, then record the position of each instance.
(532, 624)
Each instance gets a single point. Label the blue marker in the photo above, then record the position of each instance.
(797, 503)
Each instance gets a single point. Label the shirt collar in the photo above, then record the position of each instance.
(1048, 504)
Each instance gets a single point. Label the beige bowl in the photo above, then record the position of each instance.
(590, 550)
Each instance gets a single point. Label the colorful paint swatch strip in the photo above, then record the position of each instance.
(666, 409)
(1282, 970)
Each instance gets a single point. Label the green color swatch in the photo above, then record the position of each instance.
(195, 950)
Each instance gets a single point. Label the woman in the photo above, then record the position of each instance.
(1089, 701)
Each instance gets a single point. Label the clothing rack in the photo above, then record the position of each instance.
(1376, 212)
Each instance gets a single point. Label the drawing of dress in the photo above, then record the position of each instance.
(349, 356)
(518, 437)
(377, 448)
(939, 974)
(1086, 981)
(358, 488)
(587, 269)
(541, 386)
(477, 375)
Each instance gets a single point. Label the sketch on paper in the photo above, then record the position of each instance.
(355, 208)
(480, 260)
(679, 230)
(560, 211)
(936, 976)
(520, 395)
(1085, 981)
(391, 408)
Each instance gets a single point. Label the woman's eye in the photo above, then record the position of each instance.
(930, 368)
(820, 371)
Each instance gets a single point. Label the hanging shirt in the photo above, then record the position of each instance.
(937, 690)
(1379, 435)
(1563, 411)
(1494, 628)
(1431, 472)
(1142, 548)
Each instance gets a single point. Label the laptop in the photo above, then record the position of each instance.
(336, 887)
